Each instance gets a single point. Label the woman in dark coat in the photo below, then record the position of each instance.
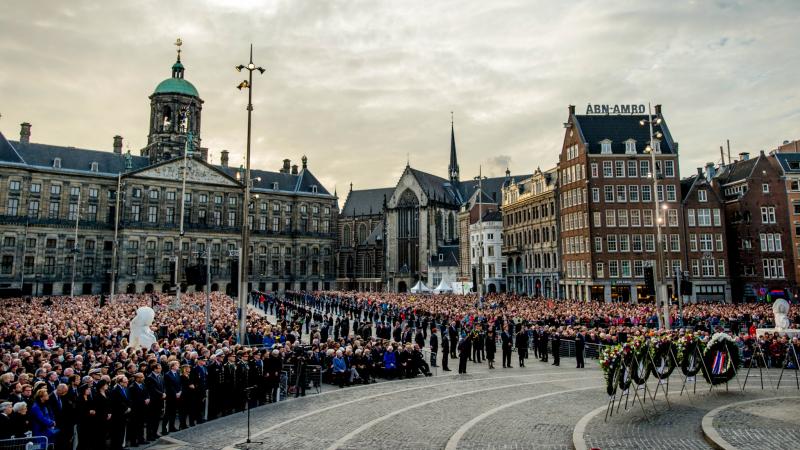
(85, 417)
(491, 347)
(102, 407)
(187, 393)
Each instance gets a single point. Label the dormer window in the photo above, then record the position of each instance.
(313, 189)
(57, 163)
(275, 185)
(605, 147)
(630, 147)
(441, 257)
(94, 167)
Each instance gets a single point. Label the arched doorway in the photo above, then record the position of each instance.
(165, 288)
(131, 288)
(148, 288)
(492, 288)
(548, 289)
(214, 287)
(402, 287)
(537, 288)
(229, 289)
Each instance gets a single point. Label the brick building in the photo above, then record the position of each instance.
(706, 257)
(788, 156)
(758, 231)
(607, 215)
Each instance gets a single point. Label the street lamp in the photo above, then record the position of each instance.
(661, 298)
(179, 258)
(75, 246)
(116, 237)
(243, 257)
(480, 179)
(207, 255)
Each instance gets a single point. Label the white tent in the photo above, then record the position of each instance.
(420, 287)
(443, 287)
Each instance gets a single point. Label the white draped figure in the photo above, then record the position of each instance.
(141, 334)
(781, 310)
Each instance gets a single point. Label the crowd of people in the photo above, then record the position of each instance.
(66, 371)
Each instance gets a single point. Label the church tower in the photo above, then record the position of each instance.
(452, 169)
(175, 108)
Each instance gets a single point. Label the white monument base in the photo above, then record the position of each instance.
(791, 332)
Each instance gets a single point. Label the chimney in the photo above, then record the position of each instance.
(711, 171)
(305, 162)
(223, 159)
(118, 144)
(285, 168)
(744, 156)
(571, 110)
(25, 133)
(658, 110)
(294, 169)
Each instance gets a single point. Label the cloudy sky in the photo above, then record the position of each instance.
(360, 86)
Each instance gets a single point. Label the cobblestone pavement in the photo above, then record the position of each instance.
(680, 426)
(535, 406)
(767, 423)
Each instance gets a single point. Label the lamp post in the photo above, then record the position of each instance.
(660, 218)
(179, 259)
(207, 255)
(480, 179)
(243, 253)
(116, 237)
(75, 247)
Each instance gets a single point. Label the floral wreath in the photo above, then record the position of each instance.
(688, 346)
(640, 369)
(662, 356)
(721, 358)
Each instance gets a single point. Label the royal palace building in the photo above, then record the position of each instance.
(90, 218)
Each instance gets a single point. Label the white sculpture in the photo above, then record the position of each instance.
(781, 310)
(141, 334)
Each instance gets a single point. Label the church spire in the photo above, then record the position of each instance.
(452, 169)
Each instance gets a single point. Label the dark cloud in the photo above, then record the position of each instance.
(362, 84)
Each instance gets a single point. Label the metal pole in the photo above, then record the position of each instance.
(480, 227)
(658, 274)
(116, 234)
(243, 253)
(208, 294)
(183, 210)
(75, 248)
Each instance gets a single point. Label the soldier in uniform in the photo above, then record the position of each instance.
(199, 379)
(445, 349)
(580, 344)
(434, 347)
(229, 385)
(506, 343)
(216, 383)
(556, 347)
(522, 345)
(256, 378)
(242, 379)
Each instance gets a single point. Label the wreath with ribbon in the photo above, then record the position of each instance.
(640, 368)
(613, 374)
(662, 360)
(690, 363)
(721, 358)
(626, 362)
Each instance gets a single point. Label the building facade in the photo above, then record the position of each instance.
(127, 211)
(706, 260)
(360, 247)
(608, 213)
(758, 227)
(530, 235)
(788, 157)
(486, 252)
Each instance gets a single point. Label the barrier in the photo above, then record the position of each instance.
(27, 443)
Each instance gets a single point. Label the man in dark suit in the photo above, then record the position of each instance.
(580, 344)
(120, 411)
(199, 379)
(63, 410)
(434, 347)
(445, 349)
(216, 383)
(140, 399)
(451, 330)
(155, 390)
(556, 347)
(464, 349)
(544, 339)
(522, 345)
(505, 340)
(172, 387)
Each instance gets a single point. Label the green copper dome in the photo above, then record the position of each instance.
(176, 86)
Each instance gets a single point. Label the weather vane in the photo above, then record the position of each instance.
(178, 43)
